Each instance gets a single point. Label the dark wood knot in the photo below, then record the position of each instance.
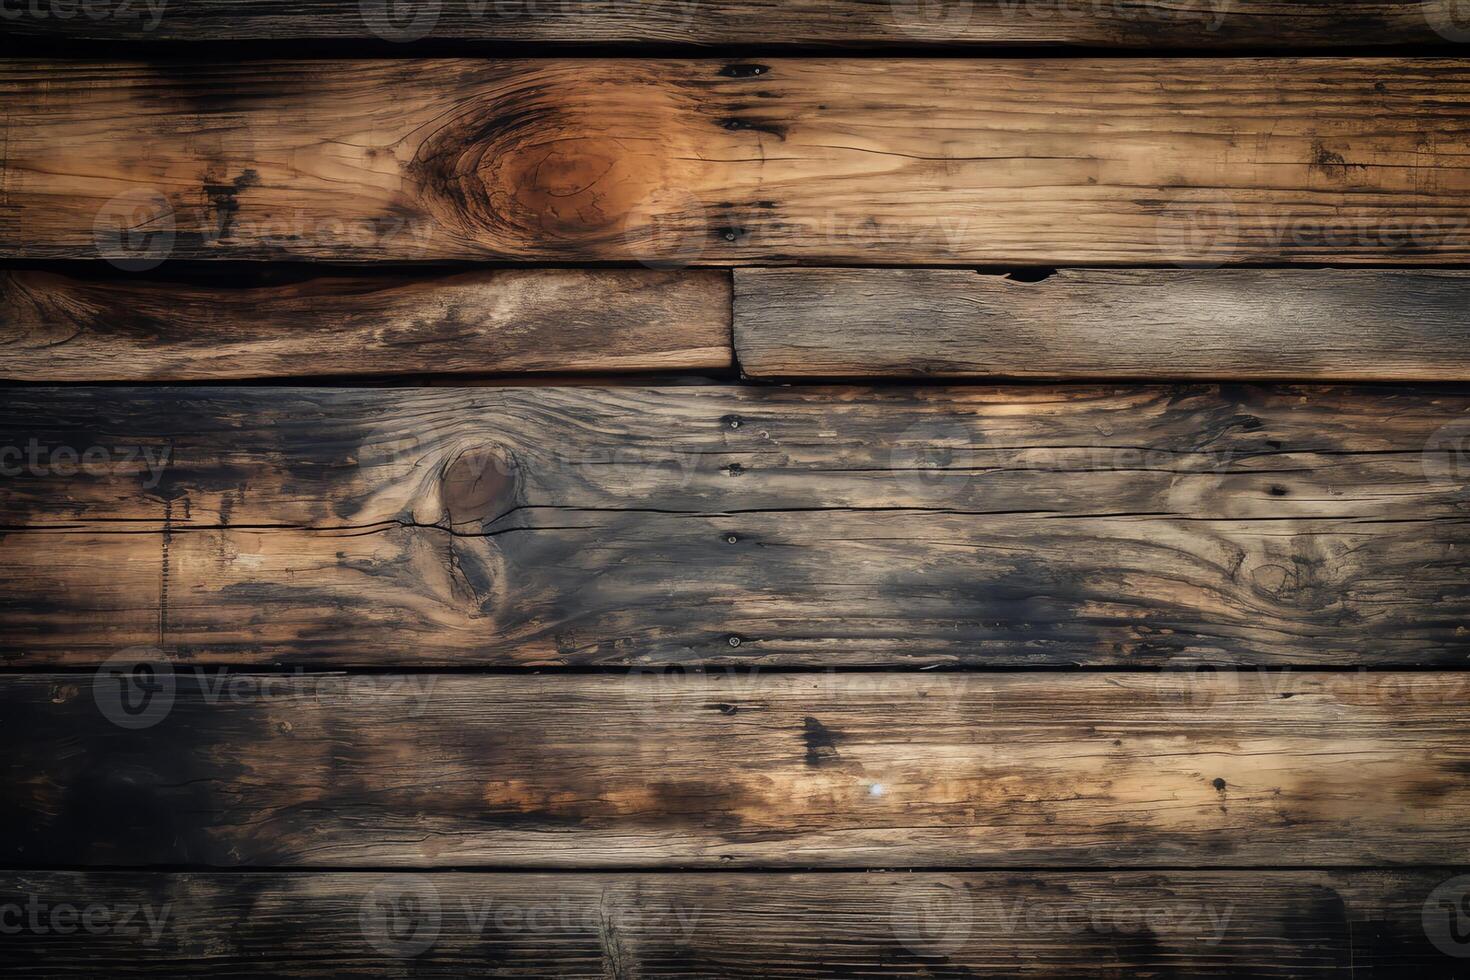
(480, 486)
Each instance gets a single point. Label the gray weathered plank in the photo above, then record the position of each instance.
(1330, 325)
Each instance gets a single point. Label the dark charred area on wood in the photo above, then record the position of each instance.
(674, 27)
(405, 770)
(760, 526)
(827, 925)
(792, 489)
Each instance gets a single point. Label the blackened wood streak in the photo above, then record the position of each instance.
(828, 926)
(1130, 525)
(911, 770)
(1194, 24)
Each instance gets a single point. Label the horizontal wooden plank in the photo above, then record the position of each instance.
(812, 526)
(732, 770)
(820, 588)
(881, 161)
(608, 925)
(1190, 23)
(1343, 325)
(57, 328)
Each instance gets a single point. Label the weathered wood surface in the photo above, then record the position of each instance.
(611, 925)
(789, 770)
(1342, 324)
(878, 161)
(816, 526)
(57, 328)
(837, 23)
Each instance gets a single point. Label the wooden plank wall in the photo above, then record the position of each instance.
(833, 488)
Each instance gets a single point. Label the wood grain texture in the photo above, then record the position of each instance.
(835, 925)
(736, 770)
(56, 328)
(877, 161)
(1339, 325)
(835, 23)
(816, 526)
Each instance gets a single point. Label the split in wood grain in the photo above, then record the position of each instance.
(779, 526)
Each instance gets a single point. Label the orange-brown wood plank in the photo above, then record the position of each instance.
(875, 161)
